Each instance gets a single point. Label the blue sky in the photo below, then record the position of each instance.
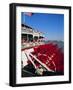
(52, 25)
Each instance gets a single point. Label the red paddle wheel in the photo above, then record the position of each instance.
(50, 56)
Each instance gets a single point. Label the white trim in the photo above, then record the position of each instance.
(19, 79)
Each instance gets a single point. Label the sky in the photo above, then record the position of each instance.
(52, 25)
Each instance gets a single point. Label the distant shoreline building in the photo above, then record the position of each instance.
(30, 34)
